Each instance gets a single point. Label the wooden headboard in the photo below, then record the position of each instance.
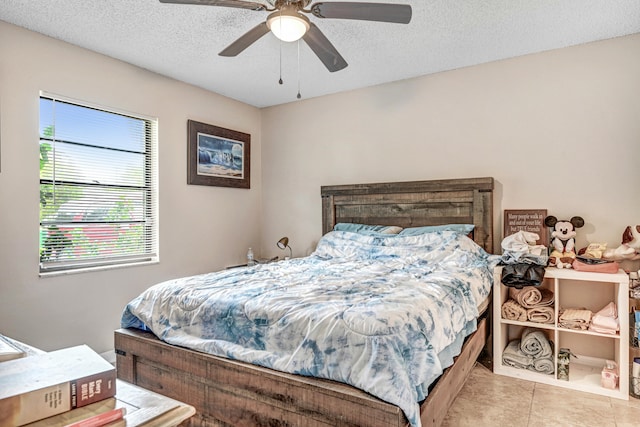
(413, 204)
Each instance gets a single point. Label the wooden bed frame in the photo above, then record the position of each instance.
(230, 393)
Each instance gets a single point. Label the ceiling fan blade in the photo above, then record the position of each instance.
(382, 12)
(245, 40)
(227, 3)
(323, 49)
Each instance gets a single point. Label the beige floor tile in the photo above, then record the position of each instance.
(557, 406)
(490, 400)
(483, 383)
(631, 403)
(477, 413)
(626, 413)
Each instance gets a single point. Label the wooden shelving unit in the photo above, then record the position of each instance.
(572, 289)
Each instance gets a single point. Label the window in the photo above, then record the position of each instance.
(98, 187)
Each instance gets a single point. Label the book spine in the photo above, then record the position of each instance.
(35, 405)
(49, 401)
(93, 388)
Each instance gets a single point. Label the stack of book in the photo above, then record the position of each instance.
(44, 385)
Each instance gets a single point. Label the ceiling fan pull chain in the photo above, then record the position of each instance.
(280, 81)
(299, 96)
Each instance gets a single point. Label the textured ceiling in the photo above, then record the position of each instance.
(183, 41)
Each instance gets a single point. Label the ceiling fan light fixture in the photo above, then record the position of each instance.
(288, 26)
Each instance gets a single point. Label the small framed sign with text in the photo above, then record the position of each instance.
(531, 220)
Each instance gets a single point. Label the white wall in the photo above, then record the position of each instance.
(558, 130)
(201, 228)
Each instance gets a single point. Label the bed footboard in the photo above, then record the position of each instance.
(230, 393)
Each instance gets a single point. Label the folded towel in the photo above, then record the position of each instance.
(606, 320)
(578, 326)
(601, 330)
(575, 318)
(608, 310)
(514, 356)
(534, 343)
(575, 314)
(544, 365)
(531, 296)
(541, 314)
(511, 310)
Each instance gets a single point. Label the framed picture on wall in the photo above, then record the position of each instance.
(217, 156)
(531, 220)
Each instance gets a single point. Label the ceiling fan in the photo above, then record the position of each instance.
(288, 23)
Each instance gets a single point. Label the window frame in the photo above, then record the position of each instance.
(150, 205)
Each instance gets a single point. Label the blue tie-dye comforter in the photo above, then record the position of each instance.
(384, 314)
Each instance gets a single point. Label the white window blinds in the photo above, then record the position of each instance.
(98, 187)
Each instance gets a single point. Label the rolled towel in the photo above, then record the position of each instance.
(541, 314)
(515, 357)
(527, 296)
(534, 343)
(544, 365)
(531, 296)
(547, 298)
(511, 310)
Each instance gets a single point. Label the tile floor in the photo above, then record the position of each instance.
(497, 401)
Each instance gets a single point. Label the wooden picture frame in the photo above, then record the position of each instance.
(531, 220)
(217, 156)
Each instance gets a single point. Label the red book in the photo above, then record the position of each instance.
(100, 419)
(40, 386)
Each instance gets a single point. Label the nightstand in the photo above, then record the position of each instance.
(258, 261)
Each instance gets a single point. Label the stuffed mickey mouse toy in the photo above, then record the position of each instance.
(563, 242)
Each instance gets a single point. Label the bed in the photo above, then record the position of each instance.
(227, 392)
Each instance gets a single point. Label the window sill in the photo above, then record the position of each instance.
(47, 274)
